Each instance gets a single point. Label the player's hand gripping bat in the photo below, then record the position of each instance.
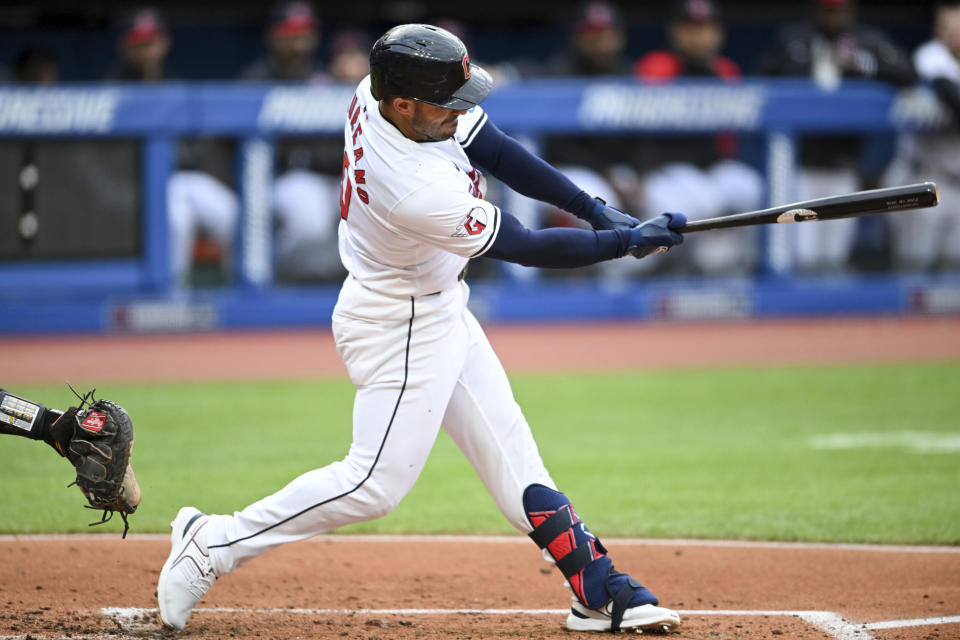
(850, 205)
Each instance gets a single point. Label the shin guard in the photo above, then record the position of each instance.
(579, 555)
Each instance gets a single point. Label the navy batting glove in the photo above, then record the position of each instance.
(604, 217)
(657, 235)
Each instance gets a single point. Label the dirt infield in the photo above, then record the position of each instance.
(444, 587)
(595, 347)
(374, 588)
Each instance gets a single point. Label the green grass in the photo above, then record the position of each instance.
(721, 453)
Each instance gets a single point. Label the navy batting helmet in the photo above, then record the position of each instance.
(429, 64)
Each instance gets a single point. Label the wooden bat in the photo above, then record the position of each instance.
(850, 205)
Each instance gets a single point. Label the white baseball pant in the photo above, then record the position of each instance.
(825, 247)
(307, 215)
(419, 364)
(195, 201)
(926, 237)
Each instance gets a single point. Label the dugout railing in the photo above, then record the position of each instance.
(255, 116)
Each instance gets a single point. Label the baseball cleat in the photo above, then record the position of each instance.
(646, 617)
(187, 574)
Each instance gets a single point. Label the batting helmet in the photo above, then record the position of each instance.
(429, 64)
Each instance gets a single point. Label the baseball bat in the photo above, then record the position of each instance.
(849, 205)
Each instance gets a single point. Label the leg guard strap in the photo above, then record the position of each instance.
(548, 530)
(575, 561)
(557, 524)
(621, 602)
(571, 554)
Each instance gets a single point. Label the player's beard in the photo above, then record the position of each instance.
(433, 130)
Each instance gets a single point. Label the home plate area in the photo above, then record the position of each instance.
(367, 587)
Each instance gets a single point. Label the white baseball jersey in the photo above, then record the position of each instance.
(412, 213)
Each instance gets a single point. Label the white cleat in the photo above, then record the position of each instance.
(187, 574)
(646, 617)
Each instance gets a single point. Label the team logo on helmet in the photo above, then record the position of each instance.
(466, 67)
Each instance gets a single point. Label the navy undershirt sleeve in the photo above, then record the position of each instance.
(499, 154)
(555, 248)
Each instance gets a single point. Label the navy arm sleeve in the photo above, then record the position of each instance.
(507, 159)
(556, 248)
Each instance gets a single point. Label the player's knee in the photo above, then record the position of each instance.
(380, 500)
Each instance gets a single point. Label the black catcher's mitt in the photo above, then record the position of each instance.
(97, 438)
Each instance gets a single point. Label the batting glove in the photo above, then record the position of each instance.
(604, 217)
(657, 235)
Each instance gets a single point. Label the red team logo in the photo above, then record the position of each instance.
(466, 67)
(473, 224)
(94, 421)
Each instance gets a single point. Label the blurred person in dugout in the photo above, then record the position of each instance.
(202, 210)
(699, 174)
(596, 45)
(595, 49)
(306, 190)
(36, 64)
(829, 49)
(930, 239)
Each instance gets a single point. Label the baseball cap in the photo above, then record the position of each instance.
(695, 11)
(293, 18)
(350, 39)
(143, 25)
(597, 16)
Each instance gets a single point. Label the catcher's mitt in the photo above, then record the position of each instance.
(97, 438)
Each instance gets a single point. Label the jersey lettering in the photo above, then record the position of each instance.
(345, 188)
(353, 115)
(353, 103)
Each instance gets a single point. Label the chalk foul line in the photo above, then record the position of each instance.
(915, 622)
(131, 618)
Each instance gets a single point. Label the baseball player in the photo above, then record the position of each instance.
(413, 213)
(925, 242)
